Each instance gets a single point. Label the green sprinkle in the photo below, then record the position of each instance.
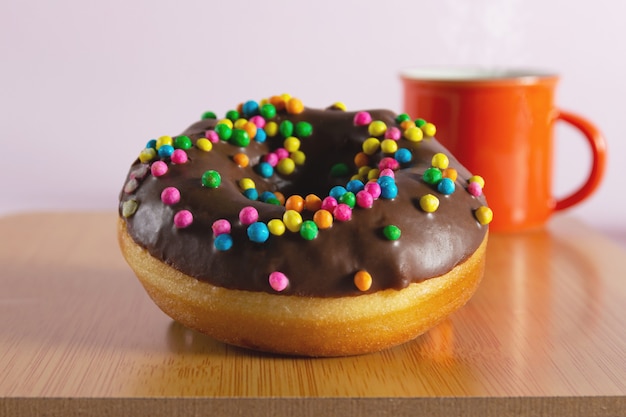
(286, 128)
(182, 142)
(304, 129)
(273, 200)
(339, 170)
(211, 179)
(392, 232)
(420, 122)
(432, 176)
(268, 111)
(223, 131)
(232, 115)
(129, 208)
(240, 138)
(402, 118)
(208, 115)
(309, 230)
(348, 198)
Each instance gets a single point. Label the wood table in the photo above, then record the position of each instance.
(544, 335)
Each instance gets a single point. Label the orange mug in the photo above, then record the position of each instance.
(499, 124)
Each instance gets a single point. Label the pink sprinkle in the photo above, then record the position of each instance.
(342, 212)
(179, 156)
(387, 173)
(170, 196)
(393, 133)
(183, 219)
(278, 281)
(271, 158)
(248, 215)
(158, 168)
(212, 136)
(140, 172)
(258, 121)
(474, 189)
(362, 118)
(220, 227)
(282, 153)
(131, 186)
(364, 199)
(373, 188)
(329, 203)
(388, 163)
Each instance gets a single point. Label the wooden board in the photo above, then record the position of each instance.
(544, 335)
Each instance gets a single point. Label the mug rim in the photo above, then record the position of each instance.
(459, 75)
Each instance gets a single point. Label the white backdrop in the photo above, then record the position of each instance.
(85, 84)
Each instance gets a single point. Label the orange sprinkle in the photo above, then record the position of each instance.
(250, 128)
(241, 159)
(295, 202)
(312, 202)
(278, 102)
(450, 173)
(363, 280)
(361, 159)
(323, 219)
(407, 124)
(280, 197)
(295, 106)
(240, 108)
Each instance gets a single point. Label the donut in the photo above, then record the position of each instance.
(304, 231)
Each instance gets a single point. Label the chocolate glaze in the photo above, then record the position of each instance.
(431, 243)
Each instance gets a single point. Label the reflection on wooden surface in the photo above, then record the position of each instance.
(548, 320)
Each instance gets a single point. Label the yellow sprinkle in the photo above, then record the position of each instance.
(440, 160)
(147, 155)
(363, 280)
(263, 101)
(429, 203)
(240, 123)
(414, 134)
(389, 146)
(204, 144)
(373, 174)
(164, 140)
(377, 128)
(292, 220)
(364, 170)
(286, 166)
(371, 146)
(271, 128)
(298, 157)
(246, 183)
(478, 179)
(339, 105)
(429, 129)
(357, 177)
(226, 122)
(276, 227)
(292, 144)
(484, 215)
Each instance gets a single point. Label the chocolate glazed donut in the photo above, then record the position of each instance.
(282, 204)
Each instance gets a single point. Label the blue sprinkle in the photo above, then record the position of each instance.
(261, 136)
(258, 232)
(388, 190)
(151, 144)
(337, 191)
(384, 180)
(266, 195)
(223, 242)
(165, 151)
(354, 186)
(446, 186)
(250, 108)
(251, 193)
(403, 155)
(265, 170)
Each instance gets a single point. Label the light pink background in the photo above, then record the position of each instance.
(85, 84)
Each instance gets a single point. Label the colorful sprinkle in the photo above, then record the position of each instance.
(240, 138)
(429, 203)
(183, 219)
(286, 128)
(211, 136)
(484, 215)
(342, 212)
(392, 232)
(129, 207)
(278, 281)
(208, 115)
(362, 118)
(276, 227)
(312, 202)
(224, 132)
(450, 173)
(146, 155)
(389, 146)
(371, 146)
(268, 111)
(131, 186)
(363, 280)
(292, 220)
(250, 108)
(329, 203)
(286, 166)
(429, 129)
(478, 179)
(373, 188)
(164, 140)
(182, 142)
(220, 227)
(258, 232)
(440, 160)
(377, 128)
(248, 215)
(265, 169)
(295, 202)
(204, 144)
(474, 189)
(251, 194)
(158, 168)
(339, 170)
(323, 219)
(241, 159)
(211, 179)
(223, 242)
(445, 186)
(337, 191)
(294, 106)
(298, 157)
(355, 186)
(179, 157)
(432, 176)
(309, 230)
(291, 144)
(364, 199)
(170, 195)
(338, 105)
(348, 198)
(414, 134)
(304, 129)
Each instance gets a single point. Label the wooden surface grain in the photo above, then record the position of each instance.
(547, 325)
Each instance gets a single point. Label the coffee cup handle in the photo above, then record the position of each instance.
(596, 142)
